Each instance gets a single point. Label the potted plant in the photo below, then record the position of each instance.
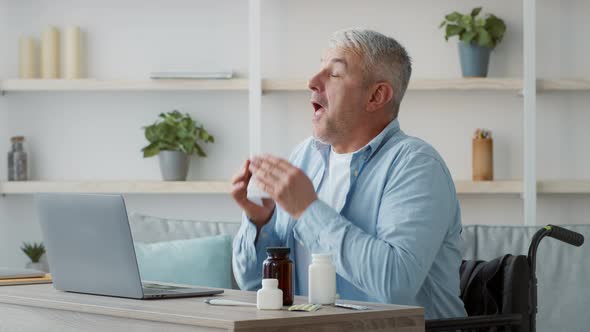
(35, 251)
(477, 38)
(174, 138)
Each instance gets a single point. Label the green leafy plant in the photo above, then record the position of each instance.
(175, 132)
(34, 251)
(485, 31)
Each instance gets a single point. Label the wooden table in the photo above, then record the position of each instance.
(42, 308)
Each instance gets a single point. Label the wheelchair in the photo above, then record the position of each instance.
(501, 294)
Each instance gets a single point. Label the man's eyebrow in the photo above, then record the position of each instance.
(336, 60)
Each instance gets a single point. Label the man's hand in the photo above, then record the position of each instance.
(285, 183)
(259, 215)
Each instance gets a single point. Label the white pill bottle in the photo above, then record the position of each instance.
(322, 279)
(269, 297)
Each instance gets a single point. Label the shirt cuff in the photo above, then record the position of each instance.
(267, 234)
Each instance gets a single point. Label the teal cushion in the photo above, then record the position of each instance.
(202, 261)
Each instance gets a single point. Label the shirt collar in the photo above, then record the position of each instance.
(391, 129)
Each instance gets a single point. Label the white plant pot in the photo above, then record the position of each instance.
(42, 265)
(35, 266)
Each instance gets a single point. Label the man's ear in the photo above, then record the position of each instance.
(381, 93)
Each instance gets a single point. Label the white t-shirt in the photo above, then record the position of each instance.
(336, 181)
(333, 191)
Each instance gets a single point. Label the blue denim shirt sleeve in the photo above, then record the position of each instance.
(415, 209)
(249, 253)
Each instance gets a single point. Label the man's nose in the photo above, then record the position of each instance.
(315, 83)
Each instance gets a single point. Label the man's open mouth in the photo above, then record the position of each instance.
(318, 109)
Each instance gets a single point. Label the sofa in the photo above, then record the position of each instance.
(563, 271)
(184, 251)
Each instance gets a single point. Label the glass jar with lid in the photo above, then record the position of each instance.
(17, 160)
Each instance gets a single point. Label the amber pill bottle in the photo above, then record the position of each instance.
(277, 265)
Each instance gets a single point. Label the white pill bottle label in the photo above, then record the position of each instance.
(322, 279)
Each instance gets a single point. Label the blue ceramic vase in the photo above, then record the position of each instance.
(474, 59)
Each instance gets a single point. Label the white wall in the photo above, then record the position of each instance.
(82, 136)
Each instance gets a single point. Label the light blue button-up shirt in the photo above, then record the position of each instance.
(396, 240)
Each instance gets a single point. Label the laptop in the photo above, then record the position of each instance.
(90, 248)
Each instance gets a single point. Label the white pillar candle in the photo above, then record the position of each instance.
(28, 62)
(73, 53)
(50, 53)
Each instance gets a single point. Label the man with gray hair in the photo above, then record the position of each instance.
(382, 203)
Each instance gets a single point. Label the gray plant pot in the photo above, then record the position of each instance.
(174, 165)
(474, 59)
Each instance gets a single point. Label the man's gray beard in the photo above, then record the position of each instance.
(329, 129)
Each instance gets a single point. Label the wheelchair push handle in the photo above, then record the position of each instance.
(565, 235)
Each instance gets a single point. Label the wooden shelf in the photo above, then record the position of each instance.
(515, 187)
(459, 84)
(563, 85)
(272, 85)
(124, 85)
(466, 84)
(208, 187)
(139, 187)
(269, 85)
(220, 187)
(488, 187)
(277, 85)
(564, 187)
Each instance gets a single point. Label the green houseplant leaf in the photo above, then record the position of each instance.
(484, 38)
(475, 11)
(453, 30)
(199, 150)
(453, 17)
(175, 131)
(468, 36)
(34, 251)
(495, 27)
(466, 22)
(472, 28)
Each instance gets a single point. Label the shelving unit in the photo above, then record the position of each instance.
(464, 187)
(528, 86)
